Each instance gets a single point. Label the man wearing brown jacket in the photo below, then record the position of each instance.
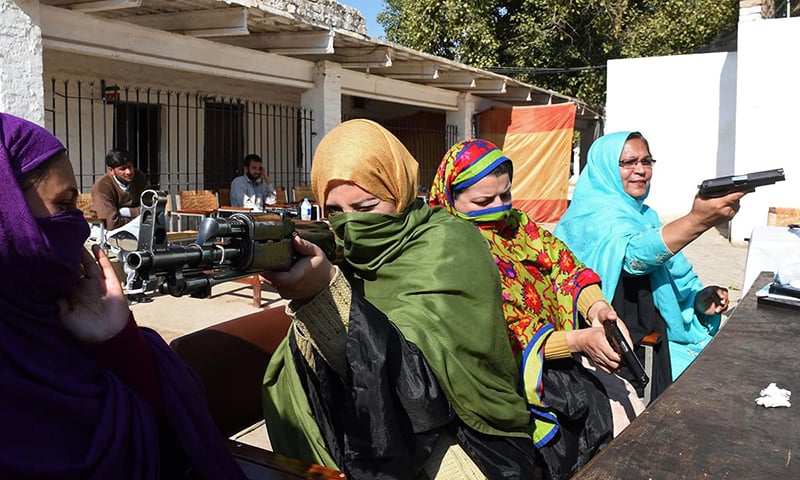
(115, 196)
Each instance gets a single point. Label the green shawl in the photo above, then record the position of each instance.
(434, 278)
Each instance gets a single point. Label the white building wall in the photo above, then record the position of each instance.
(767, 116)
(685, 106)
(77, 66)
(21, 60)
(716, 114)
(182, 154)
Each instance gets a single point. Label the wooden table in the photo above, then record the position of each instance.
(259, 464)
(707, 424)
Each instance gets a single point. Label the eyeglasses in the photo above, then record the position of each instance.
(646, 162)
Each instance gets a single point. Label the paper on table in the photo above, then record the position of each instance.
(774, 396)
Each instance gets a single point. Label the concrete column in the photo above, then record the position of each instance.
(462, 118)
(21, 65)
(325, 102)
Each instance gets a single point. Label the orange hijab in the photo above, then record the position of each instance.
(364, 153)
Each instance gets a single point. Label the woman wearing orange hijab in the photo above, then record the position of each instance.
(397, 364)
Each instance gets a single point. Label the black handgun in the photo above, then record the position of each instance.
(721, 186)
(620, 345)
(226, 249)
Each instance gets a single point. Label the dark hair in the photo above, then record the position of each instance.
(252, 157)
(638, 135)
(117, 158)
(505, 167)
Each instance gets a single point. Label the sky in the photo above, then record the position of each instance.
(369, 10)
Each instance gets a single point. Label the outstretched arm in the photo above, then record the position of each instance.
(706, 212)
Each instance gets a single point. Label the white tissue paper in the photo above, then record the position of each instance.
(774, 396)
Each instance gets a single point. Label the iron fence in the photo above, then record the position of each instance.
(781, 8)
(427, 141)
(181, 140)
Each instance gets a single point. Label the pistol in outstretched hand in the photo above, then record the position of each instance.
(721, 186)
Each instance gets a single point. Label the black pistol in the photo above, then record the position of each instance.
(721, 186)
(620, 345)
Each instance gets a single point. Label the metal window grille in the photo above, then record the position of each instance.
(780, 8)
(181, 140)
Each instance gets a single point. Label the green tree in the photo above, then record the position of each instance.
(461, 30)
(672, 27)
(529, 39)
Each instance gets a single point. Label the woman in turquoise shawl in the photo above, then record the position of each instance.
(397, 361)
(611, 229)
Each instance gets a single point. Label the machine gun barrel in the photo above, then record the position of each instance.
(225, 249)
(183, 256)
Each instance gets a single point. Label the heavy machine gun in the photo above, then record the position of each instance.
(226, 249)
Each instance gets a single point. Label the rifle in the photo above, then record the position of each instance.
(226, 249)
(721, 186)
(620, 345)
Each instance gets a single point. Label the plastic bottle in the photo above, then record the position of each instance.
(305, 210)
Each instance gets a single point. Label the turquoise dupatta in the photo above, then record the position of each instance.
(600, 223)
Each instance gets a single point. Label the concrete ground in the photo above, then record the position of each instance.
(718, 262)
(173, 317)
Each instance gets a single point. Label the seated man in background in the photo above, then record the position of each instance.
(252, 189)
(115, 197)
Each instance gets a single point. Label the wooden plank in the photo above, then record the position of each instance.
(261, 464)
(397, 91)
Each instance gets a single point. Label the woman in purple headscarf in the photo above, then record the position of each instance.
(86, 393)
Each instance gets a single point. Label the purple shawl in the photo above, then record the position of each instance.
(62, 415)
